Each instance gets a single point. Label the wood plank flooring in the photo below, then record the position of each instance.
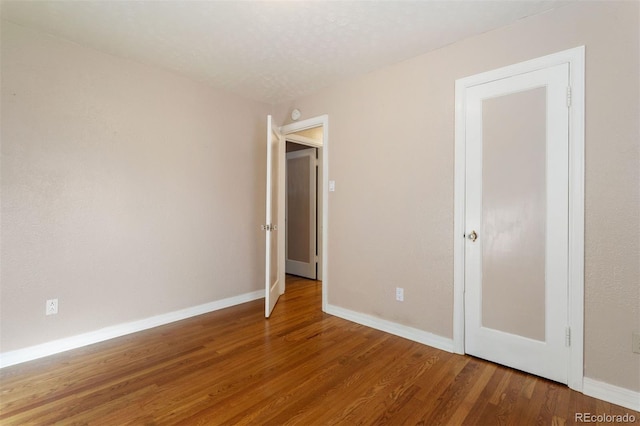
(233, 367)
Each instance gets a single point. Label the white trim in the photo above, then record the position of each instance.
(576, 216)
(396, 329)
(309, 123)
(61, 345)
(575, 58)
(323, 153)
(303, 140)
(613, 394)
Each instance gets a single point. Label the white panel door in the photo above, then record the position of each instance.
(516, 251)
(274, 257)
(301, 213)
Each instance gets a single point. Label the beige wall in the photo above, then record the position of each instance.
(391, 154)
(114, 195)
(115, 190)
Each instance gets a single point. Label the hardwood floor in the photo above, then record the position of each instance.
(299, 367)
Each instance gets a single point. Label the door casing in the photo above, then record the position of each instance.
(575, 98)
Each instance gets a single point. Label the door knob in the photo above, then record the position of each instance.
(473, 236)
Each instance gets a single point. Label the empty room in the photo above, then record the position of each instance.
(319, 212)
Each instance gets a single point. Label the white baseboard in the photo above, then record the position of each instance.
(613, 394)
(597, 389)
(61, 345)
(407, 332)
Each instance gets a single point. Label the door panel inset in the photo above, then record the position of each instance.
(298, 209)
(513, 213)
(274, 209)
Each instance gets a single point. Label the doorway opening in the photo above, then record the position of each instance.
(313, 135)
(301, 212)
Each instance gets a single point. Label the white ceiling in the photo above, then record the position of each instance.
(270, 51)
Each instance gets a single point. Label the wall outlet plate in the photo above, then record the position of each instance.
(51, 307)
(635, 343)
(400, 294)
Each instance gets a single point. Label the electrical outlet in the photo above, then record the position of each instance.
(52, 307)
(400, 294)
(635, 343)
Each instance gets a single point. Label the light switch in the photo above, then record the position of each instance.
(332, 185)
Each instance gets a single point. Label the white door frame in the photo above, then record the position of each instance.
(323, 158)
(575, 97)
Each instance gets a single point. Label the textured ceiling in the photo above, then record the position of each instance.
(266, 50)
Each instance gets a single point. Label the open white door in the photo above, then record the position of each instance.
(301, 213)
(274, 258)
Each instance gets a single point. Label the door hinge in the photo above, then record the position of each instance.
(269, 227)
(567, 336)
(568, 96)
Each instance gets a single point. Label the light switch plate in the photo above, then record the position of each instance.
(332, 186)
